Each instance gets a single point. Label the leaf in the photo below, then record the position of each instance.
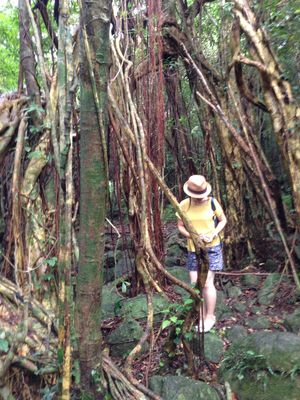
(124, 287)
(165, 323)
(4, 345)
(51, 261)
(188, 301)
(174, 319)
(36, 154)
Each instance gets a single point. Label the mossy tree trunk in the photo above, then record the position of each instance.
(283, 109)
(95, 20)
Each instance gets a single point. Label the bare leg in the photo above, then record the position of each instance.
(210, 295)
(193, 277)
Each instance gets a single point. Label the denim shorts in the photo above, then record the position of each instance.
(215, 259)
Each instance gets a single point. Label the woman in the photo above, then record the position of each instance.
(208, 219)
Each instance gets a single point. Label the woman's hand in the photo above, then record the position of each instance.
(207, 238)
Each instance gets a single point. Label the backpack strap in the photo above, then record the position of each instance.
(213, 207)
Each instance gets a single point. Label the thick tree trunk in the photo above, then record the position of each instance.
(284, 111)
(27, 59)
(95, 18)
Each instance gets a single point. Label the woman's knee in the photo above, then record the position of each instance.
(209, 283)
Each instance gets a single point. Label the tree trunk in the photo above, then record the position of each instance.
(27, 59)
(284, 111)
(95, 19)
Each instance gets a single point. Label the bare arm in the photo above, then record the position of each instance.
(222, 221)
(182, 229)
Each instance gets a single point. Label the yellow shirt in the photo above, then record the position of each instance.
(202, 218)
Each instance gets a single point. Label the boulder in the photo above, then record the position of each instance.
(182, 388)
(279, 351)
(236, 333)
(239, 307)
(271, 265)
(234, 291)
(250, 281)
(266, 294)
(292, 321)
(266, 388)
(223, 311)
(258, 322)
(264, 366)
(213, 347)
(124, 338)
(180, 273)
(110, 301)
(136, 307)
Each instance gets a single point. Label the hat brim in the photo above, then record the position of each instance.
(197, 196)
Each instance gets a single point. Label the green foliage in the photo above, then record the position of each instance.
(9, 49)
(242, 361)
(4, 345)
(50, 393)
(124, 287)
(169, 214)
(282, 21)
(175, 317)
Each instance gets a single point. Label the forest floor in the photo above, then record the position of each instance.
(156, 364)
(160, 361)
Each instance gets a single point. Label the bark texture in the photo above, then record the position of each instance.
(95, 18)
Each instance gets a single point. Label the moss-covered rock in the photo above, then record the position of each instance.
(136, 307)
(180, 273)
(213, 347)
(264, 366)
(234, 291)
(292, 321)
(250, 281)
(223, 311)
(182, 388)
(265, 387)
(110, 301)
(124, 338)
(266, 294)
(257, 322)
(236, 333)
(240, 307)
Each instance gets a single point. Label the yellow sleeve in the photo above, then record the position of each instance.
(184, 205)
(219, 210)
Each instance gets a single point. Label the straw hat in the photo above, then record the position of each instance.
(197, 187)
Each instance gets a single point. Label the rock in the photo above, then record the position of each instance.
(182, 388)
(136, 307)
(125, 267)
(266, 294)
(223, 311)
(258, 367)
(180, 273)
(258, 310)
(266, 388)
(183, 293)
(250, 281)
(213, 347)
(237, 332)
(110, 301)
(257, 322)
(111, 258)
(176, 240)
(124, 338)
(292, 321)
(240, 307)
(170, 262)
(271, 265)
(234, 291)
(280, 350)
